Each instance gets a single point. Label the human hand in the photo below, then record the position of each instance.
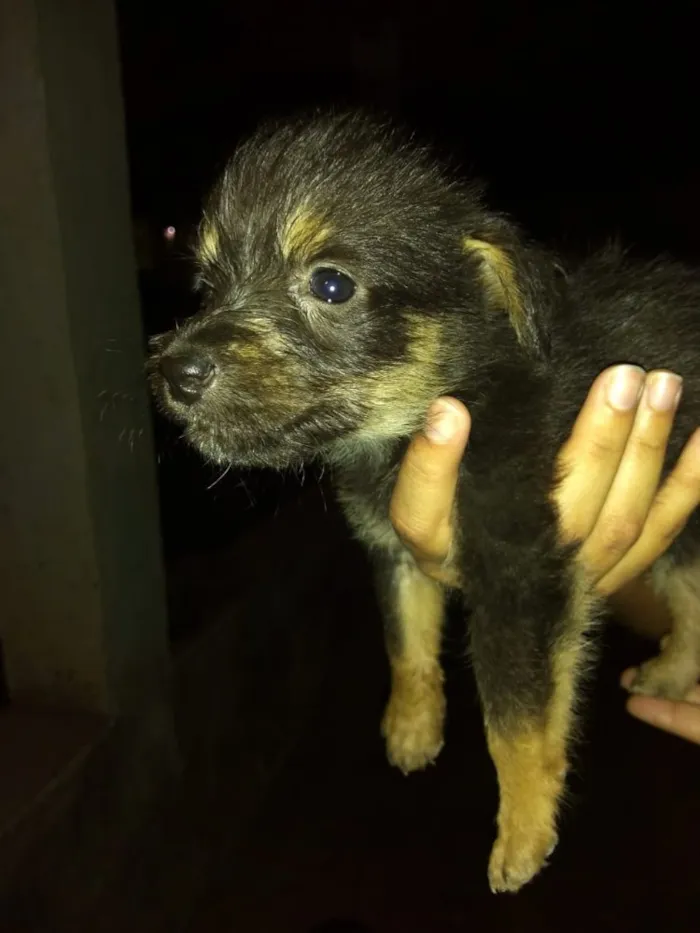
(608, 497)
(424, 495)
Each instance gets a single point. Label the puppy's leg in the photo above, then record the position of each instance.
(413, 608)
(676, 670)
(527, 674)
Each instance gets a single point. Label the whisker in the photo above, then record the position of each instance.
(251, 500)
(323, 496)
(219, 478)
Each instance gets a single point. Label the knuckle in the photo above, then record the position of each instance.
(435, 570)
(669, 515)
(416, 533)
(428, 540)
(669, 531)
(687, 479)
(599, 450)
(619, 533)
(646, 445)
(425, 471)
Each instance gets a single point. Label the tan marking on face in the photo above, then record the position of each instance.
(250, 351)
(304, 235)
(399, 395)
(261, 365)
(264, 342)
(500, 281)
(414, 717)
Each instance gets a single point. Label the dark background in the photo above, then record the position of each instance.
(581, 117)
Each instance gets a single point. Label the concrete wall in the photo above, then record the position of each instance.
(82, 612)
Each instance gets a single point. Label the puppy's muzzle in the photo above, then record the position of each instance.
(188, 375)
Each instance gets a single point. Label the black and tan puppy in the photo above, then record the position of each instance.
(347, 280)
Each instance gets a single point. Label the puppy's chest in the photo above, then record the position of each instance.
(366, 500)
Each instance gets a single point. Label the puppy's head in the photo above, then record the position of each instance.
(337, 262)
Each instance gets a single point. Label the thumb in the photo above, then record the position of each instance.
(424, 494)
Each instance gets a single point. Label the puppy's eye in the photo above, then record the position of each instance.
(331, 286)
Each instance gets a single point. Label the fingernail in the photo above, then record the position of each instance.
(442, 422)
(663, 391)
(624, 387)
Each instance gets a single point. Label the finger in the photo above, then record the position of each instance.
(675, 502)
(624, 512)
(589, 459)
(423, 499)
(681, 719)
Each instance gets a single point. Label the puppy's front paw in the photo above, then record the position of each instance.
(414, 719)
(519, 853)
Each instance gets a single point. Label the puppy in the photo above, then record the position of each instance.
(348, 280)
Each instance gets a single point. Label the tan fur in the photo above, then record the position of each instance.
(570, 660)
(500, 281)
(208, 246)
(399, 395)
(530, 780)
(531, 757)
(265, 342)
(414, 717)
(304, 235)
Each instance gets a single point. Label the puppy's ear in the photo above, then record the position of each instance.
(517, 279)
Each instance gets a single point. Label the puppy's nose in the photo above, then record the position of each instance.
(187, 375)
